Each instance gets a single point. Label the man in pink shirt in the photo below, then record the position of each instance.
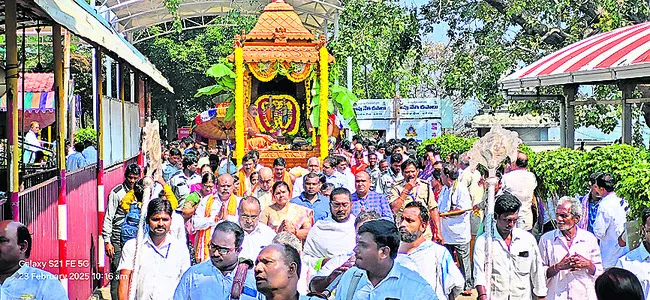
(571, 255)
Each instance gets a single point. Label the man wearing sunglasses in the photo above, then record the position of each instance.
(213, 279)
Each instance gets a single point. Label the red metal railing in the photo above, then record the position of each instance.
(38, 211)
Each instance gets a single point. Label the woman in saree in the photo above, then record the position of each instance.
(286, 216)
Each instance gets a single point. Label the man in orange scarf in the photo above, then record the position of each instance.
(248, 166)
(210, 211)
(280, 173)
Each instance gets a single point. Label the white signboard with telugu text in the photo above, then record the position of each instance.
(420, 108)
(368, 109)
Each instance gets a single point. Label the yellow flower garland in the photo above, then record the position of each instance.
(324, 98)
(239, 105)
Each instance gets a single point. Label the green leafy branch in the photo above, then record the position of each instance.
(340, 98)
(224, 88)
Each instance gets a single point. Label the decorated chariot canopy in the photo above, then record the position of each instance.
(275, 66)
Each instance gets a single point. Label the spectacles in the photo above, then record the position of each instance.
(221, 250)
(249, 218)
(340, 205)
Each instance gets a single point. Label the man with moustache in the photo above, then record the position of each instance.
(310, 198)
(313, 166)
(334, 235)
(571, 255)
(433, 262)
(17, 279)
(163, 258)
(392, 176)
(214, 279)
(277, 271)
(113, 220)
(256, 235)
(373, 170)
(517, 269)
(365, 199)
(375, 274)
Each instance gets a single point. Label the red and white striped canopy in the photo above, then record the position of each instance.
(623, 53)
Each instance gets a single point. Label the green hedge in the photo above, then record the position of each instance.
(85, 134)
(448, 144)
(565, 172)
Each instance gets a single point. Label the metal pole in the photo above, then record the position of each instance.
(120, 82)
(562, 122)
(11, 78)
(570, 92)
(94, 83)
(60, 142)
(99, 125)
(489, 230)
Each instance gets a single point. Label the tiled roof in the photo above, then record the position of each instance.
(279, 21)
(37, 82)
(281, 53)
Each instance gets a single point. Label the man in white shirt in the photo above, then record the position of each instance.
(256, 235)
(113, 220)
(334, 235)
(521, 183)
(432, 261)
(637, 261)
(517, 271)
(32, 143)
(214, 279)
(313, 165)
(392, 176)
(344, 168)
(162, 258)
(333, 176)
(471, 178)
(456, 203)
(570, 254)
(376, 275)
(179, 180)
(17, 279)
(610, 221)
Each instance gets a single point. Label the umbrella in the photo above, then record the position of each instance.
(210, 124)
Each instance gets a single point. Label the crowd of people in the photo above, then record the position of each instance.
(371, 221)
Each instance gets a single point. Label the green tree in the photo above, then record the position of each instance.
(490, 38)
(183, 57)
(383, 39)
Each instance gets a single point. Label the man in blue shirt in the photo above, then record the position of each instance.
(90, 152)
(311, 199)
(214, 279)
(376, 275)
(332, 175)
(76, 160)
(364, 199)
(17, 279)
(174, 164)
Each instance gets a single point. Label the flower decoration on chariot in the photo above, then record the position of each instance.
(277, 112)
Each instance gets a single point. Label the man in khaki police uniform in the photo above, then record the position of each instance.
(414, 189)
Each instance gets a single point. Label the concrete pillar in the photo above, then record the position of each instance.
(626, 114)
(570, 95)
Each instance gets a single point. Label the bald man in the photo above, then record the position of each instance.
(17, 279)
(313, 165)
(277, 271)
(221, 206)
(256, 235)
(262, 190)
(521, 183)
(364, 199)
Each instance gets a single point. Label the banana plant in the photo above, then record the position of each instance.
(341, 98)
(224, 88)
